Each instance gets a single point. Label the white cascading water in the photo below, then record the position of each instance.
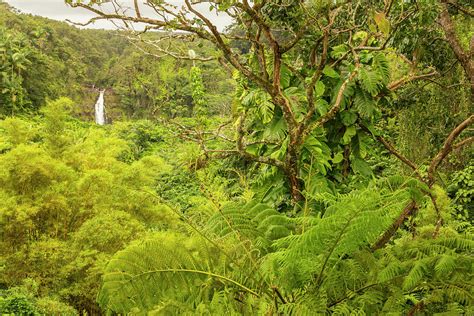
(100, 109)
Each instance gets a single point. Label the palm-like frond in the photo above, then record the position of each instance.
(251, 259)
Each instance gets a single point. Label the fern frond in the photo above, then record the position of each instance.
(445, 265)
(392, 270)
(167, 265)
(415, 275)
(381, 66)
(365, 104)
(370, 81)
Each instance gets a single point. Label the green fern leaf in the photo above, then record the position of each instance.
(370, 81)
(381, 67)
(365, 104)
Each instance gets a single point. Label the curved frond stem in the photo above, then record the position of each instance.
(208, 273)
(333, 247)
(356, 291)
(200, 233)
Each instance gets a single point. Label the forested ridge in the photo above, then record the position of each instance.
(310, 158)
(46, 59)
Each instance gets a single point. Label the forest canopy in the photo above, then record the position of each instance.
(313, 157)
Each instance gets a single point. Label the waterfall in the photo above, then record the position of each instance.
(100, 109)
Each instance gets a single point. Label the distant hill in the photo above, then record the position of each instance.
(63, 60)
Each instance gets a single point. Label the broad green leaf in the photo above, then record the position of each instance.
(253, 149)
(339, 51)
(311, 141)
(319, 87)
(322, 106)
(285, 76)
(281, 152)
(338, 157)
(249, 99)
(361, 167)
(382, 22)
(330, 72)
(371, 129)
(361, 35)
(265, 110)
(348, 118)
(363, 143)
(350, 132)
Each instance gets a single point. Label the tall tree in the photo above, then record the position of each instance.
(314, 72)
(463, 54)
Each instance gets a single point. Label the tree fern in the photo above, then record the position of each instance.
(350, 224)
(190, 270)
(149, 273)
(429, 269)
(251, 259)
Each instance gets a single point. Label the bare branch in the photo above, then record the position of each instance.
(228, 54)
(137, 9)
(183, 26)
(466, 142)
(166, 52)
(463, 56)
(333, 111)
(388, 234)
(412, 77)
(394, 152)
(447, 148)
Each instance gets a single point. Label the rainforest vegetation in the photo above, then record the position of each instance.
(309, 158)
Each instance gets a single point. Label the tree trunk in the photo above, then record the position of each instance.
(292, 172)
(464, 57)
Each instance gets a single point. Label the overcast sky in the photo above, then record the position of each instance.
(56, 9)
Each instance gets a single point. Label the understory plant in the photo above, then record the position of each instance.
(248, 258)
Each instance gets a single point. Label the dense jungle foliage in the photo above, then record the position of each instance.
(44, 59)
(313, 158)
